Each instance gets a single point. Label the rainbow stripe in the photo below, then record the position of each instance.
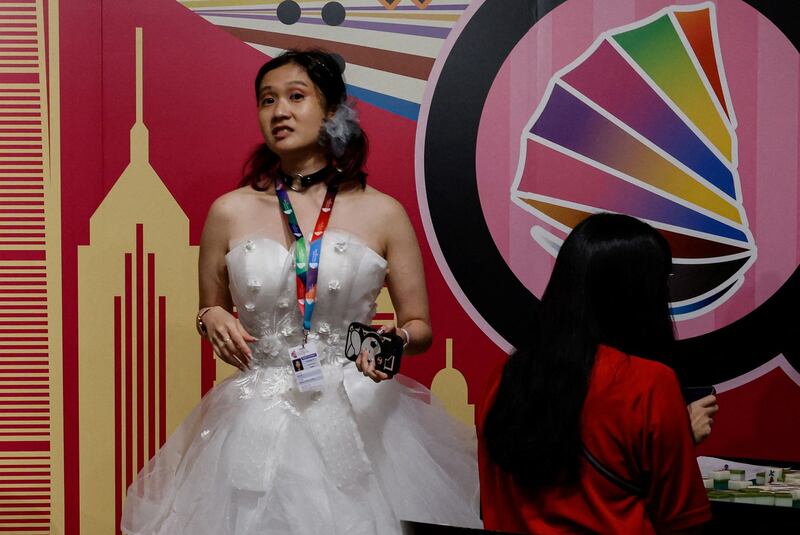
(641, 124)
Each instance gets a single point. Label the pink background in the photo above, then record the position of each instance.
(761, 67)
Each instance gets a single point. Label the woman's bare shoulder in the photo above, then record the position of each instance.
(231, 204)
(382, 203)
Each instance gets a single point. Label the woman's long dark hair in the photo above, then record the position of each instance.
(609, 286)
(323, 69)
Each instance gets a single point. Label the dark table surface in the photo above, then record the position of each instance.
(728, 518)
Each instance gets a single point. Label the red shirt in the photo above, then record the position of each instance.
(635, 423)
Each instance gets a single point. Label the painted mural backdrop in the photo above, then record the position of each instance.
(683, 114)
(162, 117)
(31, 440)
(497, 123)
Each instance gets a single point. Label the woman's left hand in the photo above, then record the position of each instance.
(366, 364)
(701, 415)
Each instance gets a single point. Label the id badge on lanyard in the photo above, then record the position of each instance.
(306, 367)
(304, 359)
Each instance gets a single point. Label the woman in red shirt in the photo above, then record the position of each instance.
(586, 431)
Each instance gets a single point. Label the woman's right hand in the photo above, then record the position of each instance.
(228, 337)
(366, 365)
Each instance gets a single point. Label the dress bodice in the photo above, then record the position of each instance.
(262, 279)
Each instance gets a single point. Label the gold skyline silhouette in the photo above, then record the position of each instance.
(139, 357)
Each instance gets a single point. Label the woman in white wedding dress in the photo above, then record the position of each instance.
(357, 452)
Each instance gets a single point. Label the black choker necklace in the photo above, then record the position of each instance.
(298, 182)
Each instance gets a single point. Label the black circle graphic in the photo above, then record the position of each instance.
(288, 12)
(464, 238)
(333, 13)
(339, 61)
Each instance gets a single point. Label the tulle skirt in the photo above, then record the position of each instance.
(258, 457)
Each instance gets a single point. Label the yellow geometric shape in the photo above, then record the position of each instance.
(31, 353)
(451, 388)
(137, 292)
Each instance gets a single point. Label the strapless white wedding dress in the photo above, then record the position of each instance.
(258, 457)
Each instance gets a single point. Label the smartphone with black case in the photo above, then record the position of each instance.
(385, 349)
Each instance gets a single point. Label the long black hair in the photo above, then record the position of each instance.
(609, 286)
(326, 74)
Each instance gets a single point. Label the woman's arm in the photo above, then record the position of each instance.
(213, 247)
(224, 331)
(676, 499)
(406, 283)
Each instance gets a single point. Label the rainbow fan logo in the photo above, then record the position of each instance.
(537, 114)
(642, 124)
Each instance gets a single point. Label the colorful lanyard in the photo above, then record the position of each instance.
(306, 260)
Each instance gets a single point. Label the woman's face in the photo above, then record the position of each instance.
(290, 111)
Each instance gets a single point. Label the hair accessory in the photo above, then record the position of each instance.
(321, 64)
(340, 129)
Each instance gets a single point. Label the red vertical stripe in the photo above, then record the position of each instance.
(208, 367)
(118, 483)
(162, 370)
(151, 354)
(128, 370)
(139, 347)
